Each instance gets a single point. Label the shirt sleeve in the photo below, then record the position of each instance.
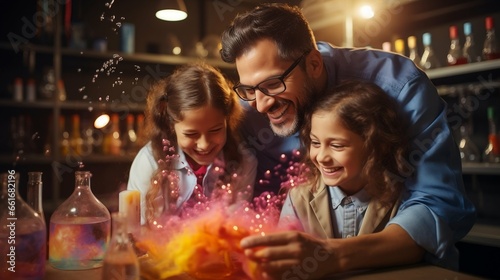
(141, 170)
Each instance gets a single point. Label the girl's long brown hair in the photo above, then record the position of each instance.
(189, 87)
(368, 111)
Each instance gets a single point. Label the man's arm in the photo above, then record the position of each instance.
(287, 254)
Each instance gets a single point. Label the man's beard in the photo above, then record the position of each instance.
(286, 129)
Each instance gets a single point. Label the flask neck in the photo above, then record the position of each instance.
(35, 191)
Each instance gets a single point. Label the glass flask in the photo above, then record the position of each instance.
(429, 59)
(23, 234)
(120, 260)
(79, 229)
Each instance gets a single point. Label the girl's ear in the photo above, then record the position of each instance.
(314, 63)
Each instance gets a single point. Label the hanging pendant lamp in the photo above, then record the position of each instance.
(171, 10)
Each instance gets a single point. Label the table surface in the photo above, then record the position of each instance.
(419, 271)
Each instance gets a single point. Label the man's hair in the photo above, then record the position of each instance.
(281, 23)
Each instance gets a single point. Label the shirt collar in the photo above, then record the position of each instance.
(360, 199)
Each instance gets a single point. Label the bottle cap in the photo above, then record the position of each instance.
(489, 23)
(453, 32)
(399, 45)
(467, 29)
(426, 39)
(386, 46)
(412, 42)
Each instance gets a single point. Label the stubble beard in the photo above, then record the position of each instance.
(289, 128)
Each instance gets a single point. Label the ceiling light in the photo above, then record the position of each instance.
(171, 10)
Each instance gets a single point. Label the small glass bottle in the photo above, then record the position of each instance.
(413, 51)
(455, 55)
(76, 140)
(130, 137)
(469, 51)
(120, 260)
(492, 151)
(490, 50)
(429, 59)
(23, 234)
(399, 46)
(468, 150)
(79, 229)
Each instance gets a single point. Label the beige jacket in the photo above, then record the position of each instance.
(313, 210)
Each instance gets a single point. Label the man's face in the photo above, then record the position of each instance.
(284, 110)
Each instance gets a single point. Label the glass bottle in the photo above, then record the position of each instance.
(79, 229)
(76, 140)
(429, 59)
(112, 141)
(35, 192)
(468, 150)
(469, 51)
(120, 260)
(490, 50)
(65, 146)
(23, 234)
(492, 151)
(455, 55)
(399, 46)
(413, 51)
(130, 137)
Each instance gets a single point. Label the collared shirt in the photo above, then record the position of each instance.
(347, 211)
(435, 199)
(144, 165)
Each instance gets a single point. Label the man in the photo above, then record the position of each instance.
(281, 69)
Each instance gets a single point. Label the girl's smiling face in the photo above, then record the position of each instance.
(202, 134)
(337, 152)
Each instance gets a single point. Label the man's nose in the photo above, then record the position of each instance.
(262, 101)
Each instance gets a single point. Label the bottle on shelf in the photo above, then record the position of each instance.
(17, 94)
(468, 150)
(31, 90)
(141, 135)
(386, 46)
(412, 49)
(429, 59)
(48, 85)
(455, 54)
(492, 151)
(120, 260)
(65, 146)
(490, 49)
(75, 140)
(79, 229)
(115, 143)
(469, 52)
(399, 46)
(30, 233)
(88, 139)
(130, 137)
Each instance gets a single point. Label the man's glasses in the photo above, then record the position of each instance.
(271, 86)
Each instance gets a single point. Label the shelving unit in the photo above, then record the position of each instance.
(110, 171)
(476, 78)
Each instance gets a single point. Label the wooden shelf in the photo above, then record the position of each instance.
(481, 168)
(457, 70)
